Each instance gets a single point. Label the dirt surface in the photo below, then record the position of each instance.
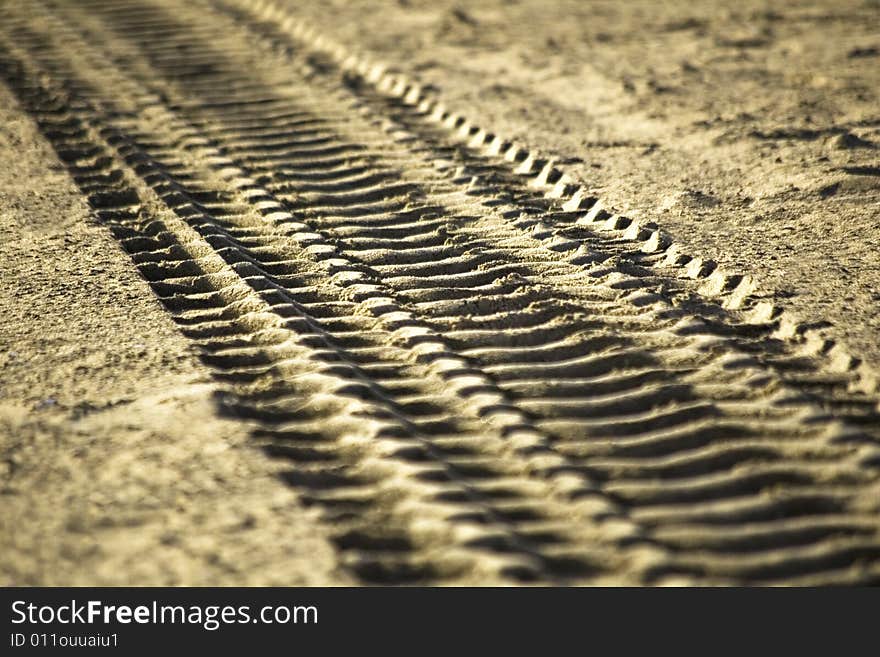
(265, 319)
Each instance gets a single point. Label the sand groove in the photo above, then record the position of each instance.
(473, 384)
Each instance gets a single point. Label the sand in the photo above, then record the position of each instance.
(266, 319)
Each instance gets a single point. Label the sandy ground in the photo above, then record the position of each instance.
(749, 130)
(116, 469)
(750, 134)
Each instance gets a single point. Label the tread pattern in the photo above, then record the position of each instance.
(474, 379)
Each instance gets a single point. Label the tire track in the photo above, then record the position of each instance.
(732, 290)
(197, 303)
(471, 392)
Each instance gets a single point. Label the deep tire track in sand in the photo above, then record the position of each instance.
(472, 385)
